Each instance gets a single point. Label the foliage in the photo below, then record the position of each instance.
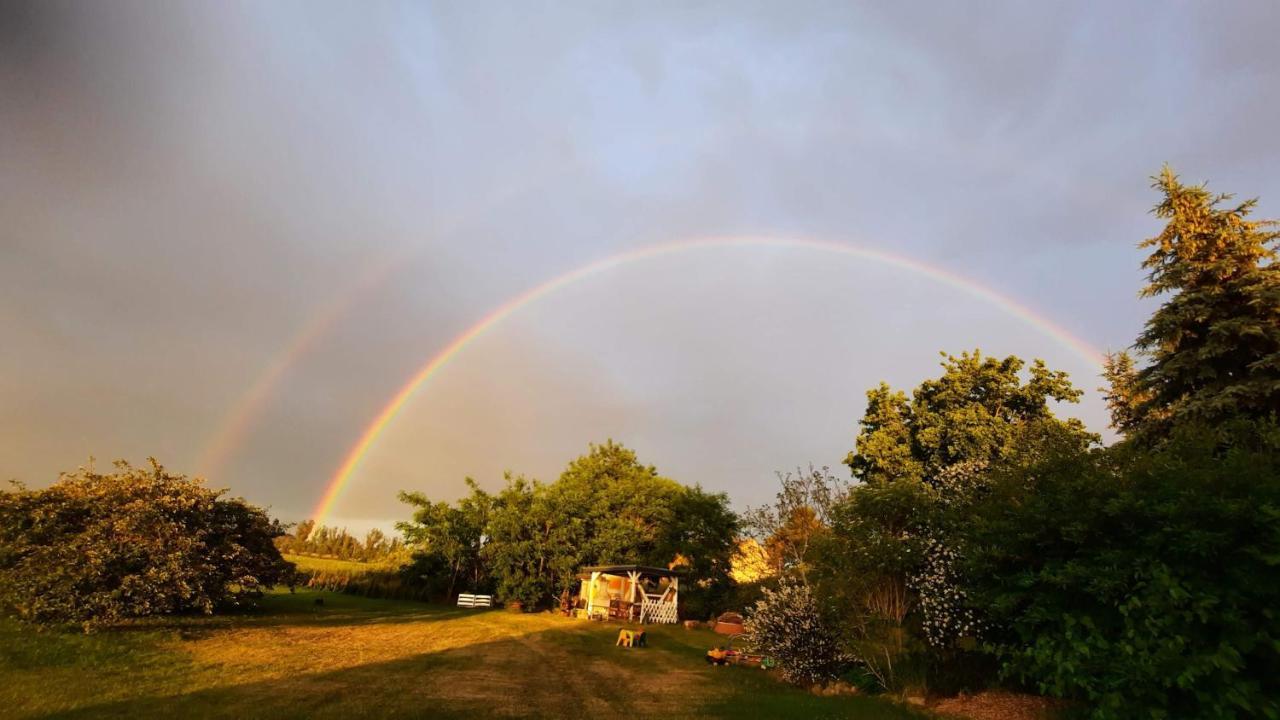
(973, 412)
(1214, 345)
(449, 536)
(790, 528)
(95, 548)
(948, 617)
(387, 579)
(786, 624)
(891, 560)
(873, 549)
(1156, 594)
(524, 536)
(325, 542)
(530, 539)
(750, 562)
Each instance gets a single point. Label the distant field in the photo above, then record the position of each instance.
(314, 564)
(354, 657)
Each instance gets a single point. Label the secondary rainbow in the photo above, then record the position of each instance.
(235, 426)
(342, 477)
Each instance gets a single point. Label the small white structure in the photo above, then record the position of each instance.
(469, 600)
(630, 592)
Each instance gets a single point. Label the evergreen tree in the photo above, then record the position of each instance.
(1214, 346)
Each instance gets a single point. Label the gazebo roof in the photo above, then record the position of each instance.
(624, 569)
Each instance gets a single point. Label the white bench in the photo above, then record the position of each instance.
(468, 600)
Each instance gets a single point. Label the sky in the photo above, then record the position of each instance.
(232, 232)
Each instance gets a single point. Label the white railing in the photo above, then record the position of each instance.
(655, 609)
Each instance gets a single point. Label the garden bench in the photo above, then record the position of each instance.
(469, 600)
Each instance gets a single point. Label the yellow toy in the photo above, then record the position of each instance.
(631, 638)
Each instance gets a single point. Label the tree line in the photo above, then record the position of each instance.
(308, 538)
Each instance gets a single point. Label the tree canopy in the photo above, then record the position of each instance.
(528, 540)
(974, 412)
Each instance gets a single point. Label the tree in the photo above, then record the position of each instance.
(452, 536)
(1125, 398)
(886, 449)
(96, 548)
(375, 544)
(1213, 347)
(525, 533)
(973, 412)
(628, 510)
(303, 530)
(799, 516)
(703, 535)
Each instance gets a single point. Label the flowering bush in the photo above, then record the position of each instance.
(96, 548)
(786, 625)
(947, 616)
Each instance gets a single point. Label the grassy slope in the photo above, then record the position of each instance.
(354, 657)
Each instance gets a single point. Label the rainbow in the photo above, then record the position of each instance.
(235, 425)
(342, 477)
(241, 415)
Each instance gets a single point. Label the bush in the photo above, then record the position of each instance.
(1141, 583)
(786, 625)
(96, 548)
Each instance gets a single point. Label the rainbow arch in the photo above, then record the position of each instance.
(351, 462)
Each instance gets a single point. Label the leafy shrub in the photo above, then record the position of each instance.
(96, 548)
(786, 625)
(1141, 583)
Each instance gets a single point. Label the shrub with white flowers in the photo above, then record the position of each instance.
(946, 613)
(786, 625)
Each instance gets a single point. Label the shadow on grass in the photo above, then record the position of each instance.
(574, 671)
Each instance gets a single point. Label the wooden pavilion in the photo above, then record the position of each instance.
(629, 592)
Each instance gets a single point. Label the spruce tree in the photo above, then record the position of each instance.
(1213, 347)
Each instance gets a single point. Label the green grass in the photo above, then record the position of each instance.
(306, 563)
(356, 657)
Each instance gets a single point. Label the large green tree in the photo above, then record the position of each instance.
(1213, 347)
(450, 535)
(976, 411)
(525, 533)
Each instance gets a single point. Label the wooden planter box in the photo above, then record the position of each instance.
(725, 628)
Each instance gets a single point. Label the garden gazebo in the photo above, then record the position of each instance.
(630, 592)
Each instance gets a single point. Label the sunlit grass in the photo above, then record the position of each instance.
(354, 657)
(306, 563)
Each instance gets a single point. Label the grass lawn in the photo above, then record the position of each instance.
(315, 564)
(353, 657)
